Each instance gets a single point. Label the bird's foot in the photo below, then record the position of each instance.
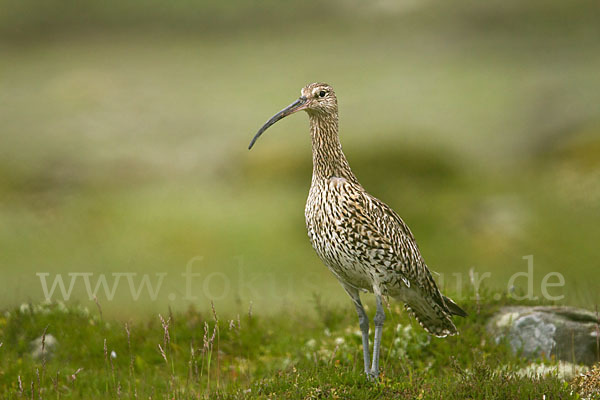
(372, 375)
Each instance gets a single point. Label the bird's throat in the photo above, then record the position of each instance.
(328, 158)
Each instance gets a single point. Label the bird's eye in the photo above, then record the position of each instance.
(322, 93)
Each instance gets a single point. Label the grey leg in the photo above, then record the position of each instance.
(363, 321)
(378, 320)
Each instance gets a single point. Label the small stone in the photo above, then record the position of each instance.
(49, 347)
(563, 370)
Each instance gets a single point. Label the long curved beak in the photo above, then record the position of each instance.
(298, 105)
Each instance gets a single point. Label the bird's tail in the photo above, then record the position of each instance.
(433, 316)
(453, 307)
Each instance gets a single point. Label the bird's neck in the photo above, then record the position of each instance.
(328, 158)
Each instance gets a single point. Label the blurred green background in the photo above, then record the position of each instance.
(124, 129)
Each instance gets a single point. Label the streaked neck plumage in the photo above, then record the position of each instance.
(328, 158)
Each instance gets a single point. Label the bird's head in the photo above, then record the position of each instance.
(315, 99)
(320, 98)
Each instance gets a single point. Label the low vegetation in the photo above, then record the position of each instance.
(194, 355)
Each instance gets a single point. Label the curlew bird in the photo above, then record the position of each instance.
(366, 245)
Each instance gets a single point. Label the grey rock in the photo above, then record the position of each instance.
(50, 344)
(566, 333)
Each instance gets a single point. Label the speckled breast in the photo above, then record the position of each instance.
(333, 237)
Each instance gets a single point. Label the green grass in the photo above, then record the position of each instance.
(286, 356)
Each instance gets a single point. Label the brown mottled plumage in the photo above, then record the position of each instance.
(360, 239)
